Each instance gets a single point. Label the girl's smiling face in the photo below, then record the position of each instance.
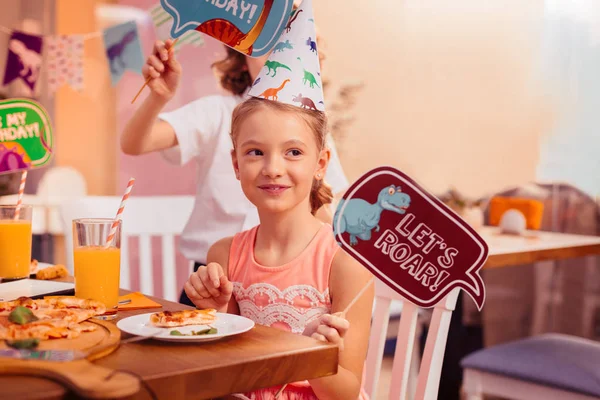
(276, 157)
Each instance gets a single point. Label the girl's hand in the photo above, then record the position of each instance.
(209, 287)
(329, 328)
(163, 70)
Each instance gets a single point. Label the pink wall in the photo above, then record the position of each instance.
(153, 174)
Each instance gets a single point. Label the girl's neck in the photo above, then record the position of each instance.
(282, 236)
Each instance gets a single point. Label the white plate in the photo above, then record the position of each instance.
(226, 324)
(33, 288)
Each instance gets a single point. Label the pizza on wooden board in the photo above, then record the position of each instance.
(51, 318)
(172, 319)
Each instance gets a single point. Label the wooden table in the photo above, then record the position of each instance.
(533, 246)
(262, 357)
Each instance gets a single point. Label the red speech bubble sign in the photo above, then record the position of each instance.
(409, 239)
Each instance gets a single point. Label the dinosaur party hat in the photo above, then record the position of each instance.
(292, 74)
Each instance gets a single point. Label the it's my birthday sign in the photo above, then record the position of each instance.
(25, 135)
(409, 239)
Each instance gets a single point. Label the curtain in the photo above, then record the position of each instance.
(569, 66)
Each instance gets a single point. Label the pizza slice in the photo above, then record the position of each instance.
(6, 307)
(171, 319)
(41, 329)
(53, 303)
(71, 316)
(59, 317)
(69, 302)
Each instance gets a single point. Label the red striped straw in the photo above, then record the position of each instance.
(21, 192)
(113, 228)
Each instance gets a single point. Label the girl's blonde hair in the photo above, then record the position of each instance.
(316, 121)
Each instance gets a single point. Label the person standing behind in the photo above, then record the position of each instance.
(199, 131)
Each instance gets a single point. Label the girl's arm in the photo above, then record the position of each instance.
(144, 133)
(347, 278)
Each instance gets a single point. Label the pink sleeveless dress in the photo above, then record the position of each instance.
(286, 297)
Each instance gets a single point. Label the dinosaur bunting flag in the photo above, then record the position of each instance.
(24, 58)
(25, 135)
(409, 239)
(292, 74)
(65, 61)
(123, 50)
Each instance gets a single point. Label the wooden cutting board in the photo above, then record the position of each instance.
(80, 376)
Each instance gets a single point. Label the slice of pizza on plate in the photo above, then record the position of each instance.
(172, 319)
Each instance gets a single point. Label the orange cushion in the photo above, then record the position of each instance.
(533, 210)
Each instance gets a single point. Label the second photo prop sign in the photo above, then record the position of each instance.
(409, 239)
(251, 27)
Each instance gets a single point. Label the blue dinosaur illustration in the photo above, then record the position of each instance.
(115, 51)
(360, 216)
(312, 44)
(281, 46)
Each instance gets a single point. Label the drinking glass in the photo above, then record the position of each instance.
(97, 266)
(15, 242)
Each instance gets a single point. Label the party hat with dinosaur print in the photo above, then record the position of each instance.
(292, 74)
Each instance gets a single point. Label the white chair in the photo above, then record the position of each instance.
(406, 354)
(143, 217)
(62, 181)
(58, 184)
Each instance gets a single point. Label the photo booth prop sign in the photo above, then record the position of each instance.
(25, 136)
(251, 27)
(409, 239)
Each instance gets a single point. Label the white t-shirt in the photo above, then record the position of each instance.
(221, 209)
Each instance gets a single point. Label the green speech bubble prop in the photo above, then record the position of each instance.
(25, 135)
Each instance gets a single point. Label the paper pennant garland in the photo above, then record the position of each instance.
(292, 74)
(65, 61)
(123, 50)
(24, 58)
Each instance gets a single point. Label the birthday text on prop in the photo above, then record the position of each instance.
(15, 127)
(409, 244)
(241, 9)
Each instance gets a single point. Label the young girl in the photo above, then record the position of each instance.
(199, 131)
(288, 272)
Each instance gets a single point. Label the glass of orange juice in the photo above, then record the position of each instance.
(15, 242)
(97, 266)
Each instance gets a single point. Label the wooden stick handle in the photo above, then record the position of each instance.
(358, 296)
(150, 78)
(354, 300)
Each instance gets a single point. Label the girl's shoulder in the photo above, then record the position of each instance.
(231, 244)
(219, 251)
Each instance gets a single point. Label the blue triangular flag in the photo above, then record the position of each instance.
(123, 50)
